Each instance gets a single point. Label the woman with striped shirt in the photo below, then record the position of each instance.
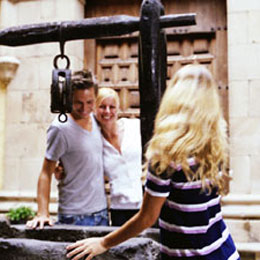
(186, 163)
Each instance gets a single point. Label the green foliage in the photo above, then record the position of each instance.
(21, 214)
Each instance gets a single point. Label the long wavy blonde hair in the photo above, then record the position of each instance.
(190, 123)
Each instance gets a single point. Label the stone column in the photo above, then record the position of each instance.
(242, 206)
(8, 67)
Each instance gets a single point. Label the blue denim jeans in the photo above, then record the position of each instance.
(99, 218)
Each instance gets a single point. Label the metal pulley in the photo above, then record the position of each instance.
(61, 92)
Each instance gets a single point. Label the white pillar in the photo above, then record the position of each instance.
(241, 207)
(8, 67)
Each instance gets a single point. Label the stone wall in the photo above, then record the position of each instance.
(244, 85)
(241, 208)
(27, 112)
(243, 202)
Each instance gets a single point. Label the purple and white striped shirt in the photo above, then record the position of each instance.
(191, 223)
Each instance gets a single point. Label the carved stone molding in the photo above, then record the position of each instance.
(8, 68)
(241, 206)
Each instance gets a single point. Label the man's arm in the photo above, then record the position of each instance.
(43, 196)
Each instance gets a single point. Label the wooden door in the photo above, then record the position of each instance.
(115, 63)
(117, 68)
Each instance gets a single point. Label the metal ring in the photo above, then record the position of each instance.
(62, 57)
(65, 117)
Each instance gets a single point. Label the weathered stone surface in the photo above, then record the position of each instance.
(21, 249)
(63, 233)
(5, 229)
(19, 243)
(134, 249)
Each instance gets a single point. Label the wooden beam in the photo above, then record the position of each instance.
(83, 29)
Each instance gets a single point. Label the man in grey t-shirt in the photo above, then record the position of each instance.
(77, 143)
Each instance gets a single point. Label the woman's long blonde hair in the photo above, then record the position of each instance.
(190, 123)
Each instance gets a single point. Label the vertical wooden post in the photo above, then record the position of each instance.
(152, 65)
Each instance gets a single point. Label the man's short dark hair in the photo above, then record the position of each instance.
(83, 79)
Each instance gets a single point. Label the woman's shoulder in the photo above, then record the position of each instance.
(174, 171)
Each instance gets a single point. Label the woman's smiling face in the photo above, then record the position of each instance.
(106, 111)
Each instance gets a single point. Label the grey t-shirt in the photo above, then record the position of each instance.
(82, 190)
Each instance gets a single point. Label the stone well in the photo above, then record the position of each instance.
(19, 243)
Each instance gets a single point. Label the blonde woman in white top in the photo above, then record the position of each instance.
(122, 157)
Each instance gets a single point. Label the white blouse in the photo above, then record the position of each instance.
(124, 169)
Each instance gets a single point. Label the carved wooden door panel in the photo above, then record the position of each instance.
(117, 65)
(117, 68)
(197, 48)
(115, 60)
